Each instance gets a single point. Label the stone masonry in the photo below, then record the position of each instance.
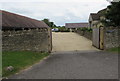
(27, 40)
(111, 37)
(86, 34)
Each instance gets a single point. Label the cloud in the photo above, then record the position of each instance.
(60, 12)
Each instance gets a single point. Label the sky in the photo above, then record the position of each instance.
(58, 11)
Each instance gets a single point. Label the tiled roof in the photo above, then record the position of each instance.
(10, 20)
(76, 25)
(95, 16)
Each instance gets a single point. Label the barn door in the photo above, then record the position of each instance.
(101, 38)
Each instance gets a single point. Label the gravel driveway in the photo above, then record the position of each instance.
(69, 41)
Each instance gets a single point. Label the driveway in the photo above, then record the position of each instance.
(74, 65)
(69, 41)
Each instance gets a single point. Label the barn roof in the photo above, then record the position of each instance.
(10, 20)
(76, 25)
(95, 16)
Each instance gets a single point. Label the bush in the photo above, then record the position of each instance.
(85, 29)
(62, 29)
(89, 29)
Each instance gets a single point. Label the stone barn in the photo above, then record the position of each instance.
(75, 26)
(20, 33)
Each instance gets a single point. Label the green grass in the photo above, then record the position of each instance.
(114, 50)
(19, 60)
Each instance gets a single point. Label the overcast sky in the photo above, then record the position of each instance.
(58, 11)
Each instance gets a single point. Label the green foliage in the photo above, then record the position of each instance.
(89, 29)
(19, 60)
(62, 29)
(50, 24)
(114, 50)
(47, 21)
(85, 29)
(113, 14)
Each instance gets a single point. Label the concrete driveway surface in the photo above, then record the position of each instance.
(74, 65)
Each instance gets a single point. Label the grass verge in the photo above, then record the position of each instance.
(116, 50)
(19, 60)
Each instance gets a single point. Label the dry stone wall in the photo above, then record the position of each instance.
(27, 40)
(86, 34)
(111, 37)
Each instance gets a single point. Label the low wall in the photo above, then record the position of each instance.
(111, 37)
(86, 34)
(106, 37)
(27, 40)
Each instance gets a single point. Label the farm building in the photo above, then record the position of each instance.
(95, 18)
(103, 37)
(23, 33)
(75, 26)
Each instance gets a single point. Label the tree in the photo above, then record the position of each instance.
(50, 24)
(113, 14)
(46, 21)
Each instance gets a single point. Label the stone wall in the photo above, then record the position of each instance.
(27, 40)
(111, 37)
(86, 34)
